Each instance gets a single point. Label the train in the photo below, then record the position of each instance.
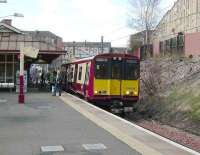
(107, 80)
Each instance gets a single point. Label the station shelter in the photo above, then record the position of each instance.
(11, 38)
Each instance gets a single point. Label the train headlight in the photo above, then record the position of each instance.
(135, 93)
(96, 92)
(127, 92)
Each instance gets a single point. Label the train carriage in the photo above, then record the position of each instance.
(107, 79)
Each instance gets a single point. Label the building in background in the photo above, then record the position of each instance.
(138, 44)
(85, 49)
(78, 50)
(179, 30)
(121, 50)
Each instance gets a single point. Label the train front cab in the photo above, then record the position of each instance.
(116, 80)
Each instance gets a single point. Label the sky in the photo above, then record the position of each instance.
(76, 20)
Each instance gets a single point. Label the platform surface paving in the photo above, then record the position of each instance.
(47, 122)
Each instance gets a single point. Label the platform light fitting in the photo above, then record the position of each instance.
(3, 1)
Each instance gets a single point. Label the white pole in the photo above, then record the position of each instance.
(21, 63)
(21, 77)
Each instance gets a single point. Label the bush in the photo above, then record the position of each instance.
(151, 79)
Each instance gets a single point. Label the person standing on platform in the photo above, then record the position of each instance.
(42, 82)
(53, 82)
(59, 82)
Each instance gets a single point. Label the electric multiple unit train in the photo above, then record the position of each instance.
(110, 80)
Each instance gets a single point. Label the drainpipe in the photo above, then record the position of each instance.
(197, 12)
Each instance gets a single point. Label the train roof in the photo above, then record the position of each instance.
(116, 55)
(82, 60)
(103, 55)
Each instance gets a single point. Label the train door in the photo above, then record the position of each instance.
(130, 83)
(116, 73)
(86, 78)
(102, 76)
(75, 74)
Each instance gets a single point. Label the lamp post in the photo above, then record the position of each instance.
(102, 44)
(3, 1)
(21, 96)
(14, 15)
(21, 76)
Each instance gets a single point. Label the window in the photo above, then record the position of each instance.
(9, 58)
(87, 74)
(173, 42)
(16, 59)
(2, 58)
(9, 73)
(132, 70)
(71, 74)
(101, 68)
(116, 68)
(80, 73)
(5, 34)
(2, 73)
(180, 40)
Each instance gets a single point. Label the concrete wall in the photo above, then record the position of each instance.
(192, 44)
(182, 17)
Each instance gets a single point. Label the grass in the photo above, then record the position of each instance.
(184, 101)
(195, 106)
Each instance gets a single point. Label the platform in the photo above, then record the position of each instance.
(46, 120)
(140, 139)
(71, 126)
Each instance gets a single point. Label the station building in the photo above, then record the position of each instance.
(178, 32)
(11, 38)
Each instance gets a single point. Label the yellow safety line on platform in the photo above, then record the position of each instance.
(131, 142)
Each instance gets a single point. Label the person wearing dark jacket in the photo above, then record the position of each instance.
(58, 86)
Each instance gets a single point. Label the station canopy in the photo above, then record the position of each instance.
(11, 39)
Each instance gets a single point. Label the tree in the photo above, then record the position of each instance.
(144, 17)
(134, 44)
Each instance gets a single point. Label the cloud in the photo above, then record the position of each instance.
(77, 20)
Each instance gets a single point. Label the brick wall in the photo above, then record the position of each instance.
(192, 44)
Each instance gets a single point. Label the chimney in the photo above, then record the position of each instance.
(7, 21)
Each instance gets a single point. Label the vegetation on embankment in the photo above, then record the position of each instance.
(170, 92)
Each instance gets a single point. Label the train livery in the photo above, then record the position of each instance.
(110, 80)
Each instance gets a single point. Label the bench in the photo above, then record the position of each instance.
(7, 85)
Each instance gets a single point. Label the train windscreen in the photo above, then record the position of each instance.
(101, 68)
(132, 70)
(116, 68)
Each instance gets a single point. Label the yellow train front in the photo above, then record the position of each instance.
(116, 81)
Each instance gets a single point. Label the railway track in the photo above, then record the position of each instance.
(183, 138)
(186, 139)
